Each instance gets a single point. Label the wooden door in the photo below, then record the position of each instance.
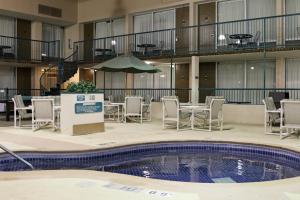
(207, 80)
(182, 82)
(182, 34)
(24, 44)
(88, 38)
(24, 80)
(206, 15)
(86, 75)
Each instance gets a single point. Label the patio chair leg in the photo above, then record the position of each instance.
(15, 118)
(221, 126)
(177, 126)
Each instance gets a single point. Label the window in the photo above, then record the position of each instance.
(292, 73)
(7, 28)
(292, 23)
(161, 80)
(246, 9)
(52, 33)
(104, 32)
(160, 20)
(240, 75)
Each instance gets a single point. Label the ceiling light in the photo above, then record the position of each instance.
(148, 62)
(113, 42)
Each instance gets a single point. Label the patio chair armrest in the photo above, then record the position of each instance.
(185, 109)
(273, 111)
(25, 108)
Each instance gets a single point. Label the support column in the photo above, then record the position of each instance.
(280, 22)
(36, 34)
(193, 20)
(280, 72)
(195, 79)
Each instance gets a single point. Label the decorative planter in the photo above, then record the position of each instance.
(82, 114)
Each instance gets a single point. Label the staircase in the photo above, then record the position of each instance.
(55, 75)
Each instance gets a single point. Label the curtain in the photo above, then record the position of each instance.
(259, 8)
(118, 28)
(51, 33)
(292, 23)
(230, 11)
(115, 80)
(7, 77)
(293, 73)
(230, 75)
(102, 30)
(164, 20)
(142, 23)
(7, 28)
(261, 74)
(144, 80)
(163, 78)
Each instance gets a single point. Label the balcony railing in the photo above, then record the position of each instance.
(249, 96)
(12, 48)
(253, 96)
(266, 34)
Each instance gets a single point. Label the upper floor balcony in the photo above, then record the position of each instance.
(13, 49)
(275, 33)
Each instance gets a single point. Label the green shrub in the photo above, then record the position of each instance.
(81, 87)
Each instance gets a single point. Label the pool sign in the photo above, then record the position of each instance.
(93, 107)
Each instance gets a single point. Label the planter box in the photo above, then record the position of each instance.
(82, 114)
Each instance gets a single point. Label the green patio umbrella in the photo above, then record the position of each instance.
(128, 64)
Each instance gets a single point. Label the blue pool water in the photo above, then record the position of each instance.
(202, 162)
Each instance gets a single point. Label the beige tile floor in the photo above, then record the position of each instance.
(89, 184)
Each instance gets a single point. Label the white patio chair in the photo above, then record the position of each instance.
(43, 113)
(20, 110)
(272, 115)
(174, 116)
(210, 115)
(147, 106)
(133, 108)
(289, 117)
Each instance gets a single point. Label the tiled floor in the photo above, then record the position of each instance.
(122, 134)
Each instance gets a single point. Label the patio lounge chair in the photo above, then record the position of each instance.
(133, 108)
(290, 110)
(213, 114)
(21, 109)
(43, 113)
(175, 116)
(272, 115)
(147, 106)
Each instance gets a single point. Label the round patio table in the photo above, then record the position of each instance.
(241, 37)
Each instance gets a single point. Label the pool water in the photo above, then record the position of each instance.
(187, 162)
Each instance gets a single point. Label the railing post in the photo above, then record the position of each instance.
(264, 23)
(6, 93)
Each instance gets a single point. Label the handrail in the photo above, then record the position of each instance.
(193, 26)
(16, 156)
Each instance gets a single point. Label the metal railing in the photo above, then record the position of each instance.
(20, 49)
(119, 94)
(253, 96)
(8, 93)
(16, 156)
(268, 34)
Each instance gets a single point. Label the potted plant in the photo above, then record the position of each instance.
(82, 109)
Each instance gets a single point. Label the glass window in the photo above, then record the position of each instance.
(230, 75)
(292, 23)
(293, 73)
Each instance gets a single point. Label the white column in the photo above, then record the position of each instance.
(280, 72)
(193, 20)
(195, 79)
